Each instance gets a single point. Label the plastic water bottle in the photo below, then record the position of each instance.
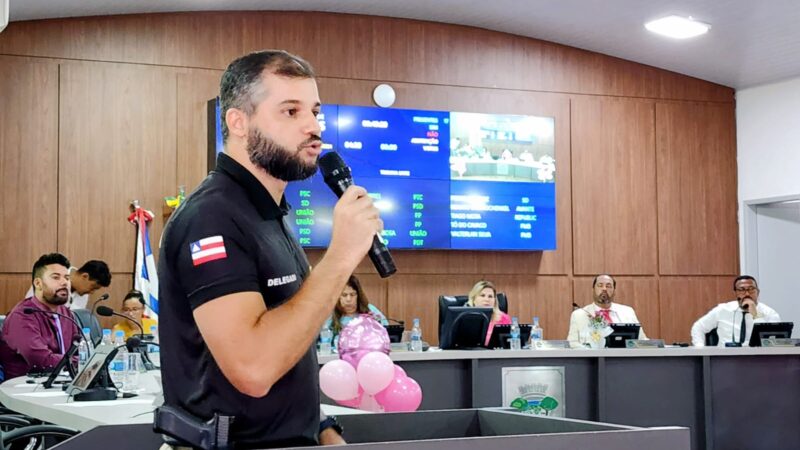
(83, 350)
(154, 351)
(107, 337)
(537, 334)
(416, 337)
(87, 335)
(513, 340)
(325, 339)
(118, 369)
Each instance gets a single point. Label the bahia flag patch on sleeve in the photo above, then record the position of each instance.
(207, 249)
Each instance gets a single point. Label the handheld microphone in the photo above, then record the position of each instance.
(338, 177)
(102, 298)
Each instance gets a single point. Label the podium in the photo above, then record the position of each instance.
(465, 429)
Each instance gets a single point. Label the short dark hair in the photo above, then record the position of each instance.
(594, 282)
(133, 293)
(744, 277)
(97, 271)
(238, 87)
(46, 260)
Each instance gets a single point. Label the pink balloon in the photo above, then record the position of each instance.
(368, 403)
(338, 380)
(375, 372)
(399, 370)
(361, 336)
(353, 402)
(402, 395)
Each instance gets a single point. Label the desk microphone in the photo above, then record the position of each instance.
(399, 322)
(30, 310)
(102, 298)
(68, 353)
(105, 311)
(338, 177)
(133, 343)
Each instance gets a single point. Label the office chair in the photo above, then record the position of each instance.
(461, 300)
(712, 338)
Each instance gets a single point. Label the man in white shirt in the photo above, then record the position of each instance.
(604, 292)
(90, 277)
(727, 318)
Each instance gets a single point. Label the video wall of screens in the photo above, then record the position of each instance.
(442, 180)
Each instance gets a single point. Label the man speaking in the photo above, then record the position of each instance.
(240, 308)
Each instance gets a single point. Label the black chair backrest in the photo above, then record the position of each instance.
(461, 300)
(712, 338)
(87, 319)
(2, 319)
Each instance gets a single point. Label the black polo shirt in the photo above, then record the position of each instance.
(229, 236)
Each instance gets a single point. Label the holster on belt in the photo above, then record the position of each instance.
(183, 429)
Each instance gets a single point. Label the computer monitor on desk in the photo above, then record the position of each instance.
(622, 332)
(764, 330)
(502, 333)
(464, 327)
(395, 332)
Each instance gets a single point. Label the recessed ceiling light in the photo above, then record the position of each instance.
(677, 27)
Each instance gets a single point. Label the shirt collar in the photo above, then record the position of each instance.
(258, 194)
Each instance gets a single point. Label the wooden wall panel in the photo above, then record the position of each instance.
(547, 297)
(640, 293)
(28, 161)
(195, 89)
(686, 299)
(387, 49)
(418, 296)
(13, 288)
(132, 95)
(697, 204)
(614, 186)
(117, 140)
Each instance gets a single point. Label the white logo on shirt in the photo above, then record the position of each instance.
(280, 281)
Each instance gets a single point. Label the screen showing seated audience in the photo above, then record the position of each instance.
(441, 180)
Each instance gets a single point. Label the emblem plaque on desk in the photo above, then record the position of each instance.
(535, 390)
(780, 342)
(644, 343)
(551, 345)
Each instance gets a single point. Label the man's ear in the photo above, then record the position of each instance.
(237, 122)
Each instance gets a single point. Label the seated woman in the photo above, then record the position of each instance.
(352, 302)
(484, 295)
(133, 306)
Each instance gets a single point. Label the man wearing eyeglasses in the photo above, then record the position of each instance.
(734, 320)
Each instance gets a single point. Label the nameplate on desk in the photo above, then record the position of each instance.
(780, 342)
(644, 343)
(550, 345)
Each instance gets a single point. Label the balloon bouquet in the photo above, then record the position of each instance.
(364, 376)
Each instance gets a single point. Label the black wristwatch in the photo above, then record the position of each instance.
(331, 422)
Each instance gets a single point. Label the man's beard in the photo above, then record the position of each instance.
(276, 159)
(56, 298)
(600, 300)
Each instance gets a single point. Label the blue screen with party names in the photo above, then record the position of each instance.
(442, 180)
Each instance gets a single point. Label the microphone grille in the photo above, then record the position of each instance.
(105, 311)
(329, 162)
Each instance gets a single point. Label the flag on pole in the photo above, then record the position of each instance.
(145, 278)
